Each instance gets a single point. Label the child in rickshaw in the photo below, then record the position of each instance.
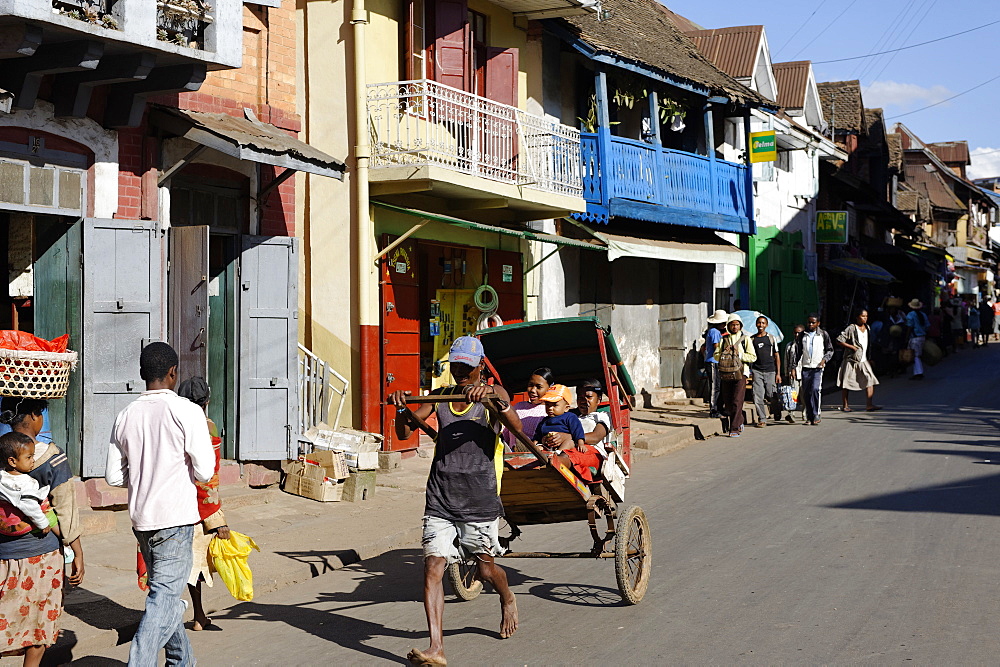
(573, 452)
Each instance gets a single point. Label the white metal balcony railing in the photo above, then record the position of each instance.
(424, 122)
(316, 391)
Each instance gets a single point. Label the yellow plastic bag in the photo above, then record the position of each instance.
(229, 557)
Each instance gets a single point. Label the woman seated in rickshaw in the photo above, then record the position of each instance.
(563, 431)
(531, 411)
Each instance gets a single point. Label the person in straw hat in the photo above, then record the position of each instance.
(713, 336)
(917, 324)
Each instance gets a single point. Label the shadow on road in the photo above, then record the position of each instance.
(396, 576)
(978, 495)
(579, 595)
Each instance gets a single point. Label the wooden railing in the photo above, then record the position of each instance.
(644, 172)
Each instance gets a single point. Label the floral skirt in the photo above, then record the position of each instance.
(31, 601)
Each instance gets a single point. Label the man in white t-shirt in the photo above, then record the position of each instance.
(159, 445)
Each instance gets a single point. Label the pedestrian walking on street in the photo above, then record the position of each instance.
(813, 349)
(986, 320)
(974, 325)
(856, 373)
(917, 324)
(213, 521)
(713, 335)
(463, 509)
(159, 447)
(793, 374)
(735, 353)
(766, 372)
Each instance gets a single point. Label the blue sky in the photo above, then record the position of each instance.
(820, 30)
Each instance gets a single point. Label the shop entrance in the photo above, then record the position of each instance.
(41, 257)
(428, 300)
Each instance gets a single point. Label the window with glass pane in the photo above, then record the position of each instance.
(418, 52)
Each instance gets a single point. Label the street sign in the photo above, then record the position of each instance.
(763, 146)
(831, 227)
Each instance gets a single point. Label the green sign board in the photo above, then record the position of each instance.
(831, 227)
(763, 146)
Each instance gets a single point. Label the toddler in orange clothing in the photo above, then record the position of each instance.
(575, 453)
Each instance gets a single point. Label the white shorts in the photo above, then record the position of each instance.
(455, 540)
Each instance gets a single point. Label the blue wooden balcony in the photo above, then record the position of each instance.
(645, 181)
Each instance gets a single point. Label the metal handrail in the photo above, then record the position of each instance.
(424, 122)
(316, 391)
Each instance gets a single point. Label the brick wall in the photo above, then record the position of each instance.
(265, 83)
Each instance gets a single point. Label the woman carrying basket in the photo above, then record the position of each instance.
(32, 565)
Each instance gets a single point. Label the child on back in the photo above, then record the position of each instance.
(20, 489)
(574, 452)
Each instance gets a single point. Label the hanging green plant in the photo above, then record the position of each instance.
(590, 122)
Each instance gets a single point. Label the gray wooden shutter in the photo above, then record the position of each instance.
(123, 269)
(188, 299)
(269, 310)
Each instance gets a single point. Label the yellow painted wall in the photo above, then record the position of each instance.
(325, 207)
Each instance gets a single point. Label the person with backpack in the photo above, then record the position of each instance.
(766, 372)
(735, 352)
(813, 349)
(917, 323)
(713, 336)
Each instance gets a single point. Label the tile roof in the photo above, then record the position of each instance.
(644, 32)
(874, 121)
(683, 23)
(793, 80)
(733, 50)
(952, 151)
(895, 143)
(842, 107)
(932, 185)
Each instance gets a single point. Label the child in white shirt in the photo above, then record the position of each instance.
(19, 488)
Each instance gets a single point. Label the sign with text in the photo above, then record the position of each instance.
(831, 227)
(763, 146)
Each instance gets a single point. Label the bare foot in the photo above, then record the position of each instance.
(201, 623)
(426, 658)
(508, 617)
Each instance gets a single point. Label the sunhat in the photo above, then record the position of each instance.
(916, 304)
(734, 318)
(718, 317)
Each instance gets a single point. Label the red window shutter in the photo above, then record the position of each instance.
(501, 75)
(451, 43)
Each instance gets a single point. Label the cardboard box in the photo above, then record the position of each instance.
(335, 463)
(362, 460)
(315, 489)
(344, 439)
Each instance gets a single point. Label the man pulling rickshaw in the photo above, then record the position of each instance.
(465, 497)
(463, 506)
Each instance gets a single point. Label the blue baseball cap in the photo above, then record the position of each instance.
(466, 350)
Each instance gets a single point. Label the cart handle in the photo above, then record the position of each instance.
(491, 399)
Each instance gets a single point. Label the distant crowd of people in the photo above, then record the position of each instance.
(789, 381)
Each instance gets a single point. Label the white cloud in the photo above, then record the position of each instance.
(892, 94)
(985, 162)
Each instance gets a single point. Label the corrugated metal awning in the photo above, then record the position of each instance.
(246, 139)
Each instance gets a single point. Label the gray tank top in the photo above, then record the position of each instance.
(462, 484)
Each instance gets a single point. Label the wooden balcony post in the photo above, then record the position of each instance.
(710, 146)
(603, 135)
(748, 174)
(659, 182)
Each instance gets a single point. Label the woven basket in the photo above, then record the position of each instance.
(40, 375)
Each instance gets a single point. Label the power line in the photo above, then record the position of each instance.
(883, 40)
(904, 48)
(828, 26)
(896, 39)
(916, 25)
(947, 99)
(799, 29)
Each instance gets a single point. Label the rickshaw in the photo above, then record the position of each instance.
(536, 488)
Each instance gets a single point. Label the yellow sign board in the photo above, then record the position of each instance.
(831, 227)
(763, 146)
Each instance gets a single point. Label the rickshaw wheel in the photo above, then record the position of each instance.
(633, 554)
(462, 576)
